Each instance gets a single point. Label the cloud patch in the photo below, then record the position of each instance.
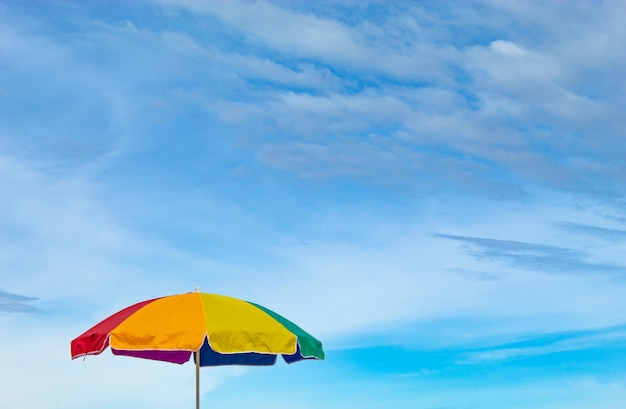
(609, 234)
(549, 344)
(13, 303)
(534, 257)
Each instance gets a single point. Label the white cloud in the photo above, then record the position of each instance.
(572, 343)
(509, 49)
(59, 229)
(362, 47)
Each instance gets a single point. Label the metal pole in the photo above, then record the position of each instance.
(198, 379)
(198, 370)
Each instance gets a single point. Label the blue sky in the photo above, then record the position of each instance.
(434, 189)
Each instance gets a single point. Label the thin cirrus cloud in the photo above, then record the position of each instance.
(462, 119)
(604, 233)
(534, 257)
(561, 342)
(14, 303)
(546, 98)
(298, 33)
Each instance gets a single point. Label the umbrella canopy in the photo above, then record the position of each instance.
(217, 329)
(224, 330)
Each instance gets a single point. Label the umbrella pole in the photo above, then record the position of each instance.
(198, 379)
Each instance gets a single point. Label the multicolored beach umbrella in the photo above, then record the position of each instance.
(216, 329)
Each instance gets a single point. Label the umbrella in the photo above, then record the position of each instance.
(216, 329)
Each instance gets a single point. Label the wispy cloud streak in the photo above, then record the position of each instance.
(604, 233)
(550, 344)
(11, 303)
(534, 257)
